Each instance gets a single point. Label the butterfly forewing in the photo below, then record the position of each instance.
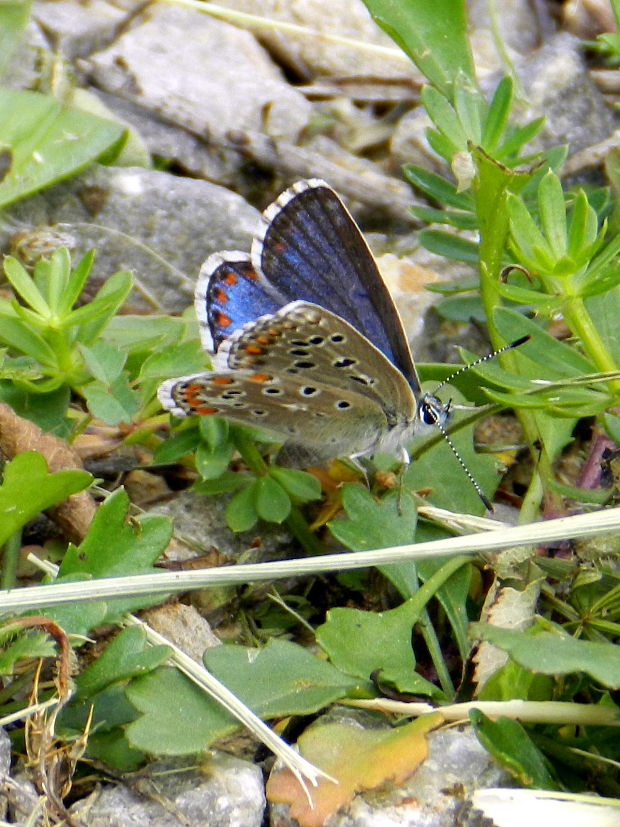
(310, 248)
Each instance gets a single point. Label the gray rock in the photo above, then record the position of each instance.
(219, 791)
(222, 79)
(159, 225)
(77, 29)
(557, 85)
(23, 799)
(347, 18)
(193, 154)
(199, 522)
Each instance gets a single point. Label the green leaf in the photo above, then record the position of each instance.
(174, 360)
(19, 336)
(552, 207)
(463, 221)
(176, 446)
(528, 241)
(75, 284)
(165, 698)
(360, 643)
(14, 16)
(583, 228)
(508, 742)
(127, 656)
(241, 510)
(47, 410)
(212, 462)
(449, 245)
(28, 488)
(555, 654)
(438, 188)
(94, 316)
(22, 283)
(282, 678)
(108, 407)
(373, 523)
(497, 115)
(214, 430)
(558, 359)
(302, 486)
(104, 361)
(112, 547)
(445, 119)
(469, 106)
(27, 644)
(115, 545)
(272, 502)
(440, 51)
(49, 141)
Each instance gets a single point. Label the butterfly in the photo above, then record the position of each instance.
(305, 337)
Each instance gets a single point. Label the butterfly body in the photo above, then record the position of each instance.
(306, 338)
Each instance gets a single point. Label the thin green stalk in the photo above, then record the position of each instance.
(299, 528)
(580, 322)
(10, 560)
(250, 454)
(432, 644)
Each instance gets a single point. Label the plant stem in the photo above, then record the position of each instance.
(10, 559)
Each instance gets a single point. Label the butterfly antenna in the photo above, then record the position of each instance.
(493, 355)
(487, 503)
(436, 413)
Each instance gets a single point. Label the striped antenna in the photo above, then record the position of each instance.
(493, 355)
(432, 411)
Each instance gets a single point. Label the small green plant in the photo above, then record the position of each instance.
(55, 348)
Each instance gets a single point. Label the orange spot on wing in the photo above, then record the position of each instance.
(254, 350)
(220, 295)
(222, 319)
(203, 410)
(222, 380)
(260, 377)
(230, 278)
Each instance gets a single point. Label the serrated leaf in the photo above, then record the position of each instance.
(126, 656)
(282, 678)
(28, 488)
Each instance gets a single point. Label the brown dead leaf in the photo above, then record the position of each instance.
(17, 435)
(359, 759)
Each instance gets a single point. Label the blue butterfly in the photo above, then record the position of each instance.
(306, 338)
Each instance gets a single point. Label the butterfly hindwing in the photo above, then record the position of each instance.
(322, 417)
(228, 294)
(310, 343)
